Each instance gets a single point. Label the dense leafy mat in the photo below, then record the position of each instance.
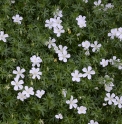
(60, 62)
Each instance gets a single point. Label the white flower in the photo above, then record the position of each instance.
(113, 33)
(51, 42)
(86, 1)
(21, 96)
(35, 73)
(28, 91)
(17, 84)
(63, 56)
(110, 98)
(59, 116)
(36, 60)
(19, 72)
(81, 110)
(57, 13)
(61, 49)
(17, 19)
(113, 60)
(97, 3)
(49, 23)
(64, 92)
(81, 21)
(119, 33)
(12, 1)
(107, 6)
(104, 62)
(86, 45)
(3, 36)
(58, 31)
(93, 122)
(57, 22)
(76, 76)
(118, 101)
(39, 93)
(95, 46)
(72, 103)
(88, 72)
(109, 87)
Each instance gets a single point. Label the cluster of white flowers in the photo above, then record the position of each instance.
(86, 44)
(112, 99)
(108, 6)
(55, 23)
(36, 60)
(114, 61)
(60, 50)
(87, 73)
(73, 104)
(105, 7)
(17, 19)
(3, 36)
(81, 21)
(116, 32)
(62, 53)
(18, 84)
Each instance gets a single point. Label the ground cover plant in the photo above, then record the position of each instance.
(60, 62)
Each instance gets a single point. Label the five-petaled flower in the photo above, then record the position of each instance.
(88, 72)
(19, 72)
(35, 73)
(28, 91)
(81, 110)
(39, 93)
(36, 60)
(72, 103)
(3, 36)
(104, 62)
(110, 98)
(17, 84)
(76, 76)
(17, 19)
(21, 96)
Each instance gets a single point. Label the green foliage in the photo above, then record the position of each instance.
(29, 38)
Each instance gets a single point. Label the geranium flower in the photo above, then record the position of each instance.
(19, 72)
(35, 73)
(39, 93)
(88, 72)
(81, 110)
(17, 18)
(59, 116)
(3, 36)
(72, 103)
(28, 91)
(76, 76)
(17, 84)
